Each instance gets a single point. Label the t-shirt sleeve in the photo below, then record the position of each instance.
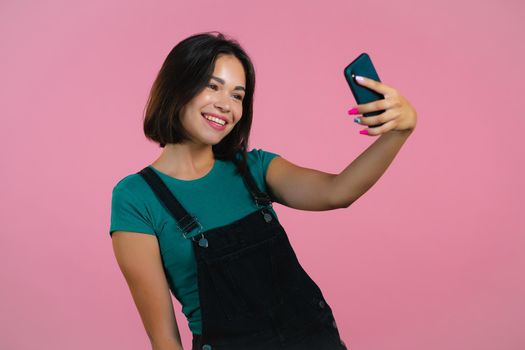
(265, 157)
(128, 213)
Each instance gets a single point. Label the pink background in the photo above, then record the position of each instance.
(430, 258)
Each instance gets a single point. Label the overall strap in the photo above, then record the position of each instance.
(185, 221)
(261, 199)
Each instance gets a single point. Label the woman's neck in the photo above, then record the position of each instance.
(185, 161)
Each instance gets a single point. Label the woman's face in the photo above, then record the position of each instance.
(221, 98)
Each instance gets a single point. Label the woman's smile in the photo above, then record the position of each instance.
(214, 122)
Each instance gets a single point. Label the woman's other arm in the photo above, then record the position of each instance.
(138, 257)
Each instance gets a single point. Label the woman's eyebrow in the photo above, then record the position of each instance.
(238, 87)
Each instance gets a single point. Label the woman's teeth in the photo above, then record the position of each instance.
(214, 119)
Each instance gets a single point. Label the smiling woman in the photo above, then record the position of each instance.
(199, 70)
(199, 221)
(219, 103)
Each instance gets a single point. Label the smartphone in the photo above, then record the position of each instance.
(363, 66)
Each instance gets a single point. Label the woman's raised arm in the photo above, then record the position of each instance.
(311, 189)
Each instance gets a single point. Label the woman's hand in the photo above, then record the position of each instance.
(399, 115)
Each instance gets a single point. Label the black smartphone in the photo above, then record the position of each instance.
(363, 66)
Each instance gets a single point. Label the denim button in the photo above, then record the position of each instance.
(322, 304)
(206, 347)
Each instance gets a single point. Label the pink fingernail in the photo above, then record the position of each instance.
(364, 132)
(353, 111)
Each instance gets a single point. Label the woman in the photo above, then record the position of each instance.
(199, 221)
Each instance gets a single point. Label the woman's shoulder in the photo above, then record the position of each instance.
(130, 207)
(130, 184)
(258, 160)
(259, 156)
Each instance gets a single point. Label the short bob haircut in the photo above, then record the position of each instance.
(185, 72)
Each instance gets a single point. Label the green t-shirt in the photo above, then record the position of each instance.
(217, 199)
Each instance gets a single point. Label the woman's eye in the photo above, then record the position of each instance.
(215, 87)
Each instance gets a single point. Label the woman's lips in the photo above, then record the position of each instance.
(214, 125)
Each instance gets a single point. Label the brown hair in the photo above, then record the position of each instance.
(185, 72)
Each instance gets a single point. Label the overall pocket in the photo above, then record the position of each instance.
(243, 279)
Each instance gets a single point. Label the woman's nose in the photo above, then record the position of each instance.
(223, 102)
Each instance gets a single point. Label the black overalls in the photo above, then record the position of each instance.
(253, 292)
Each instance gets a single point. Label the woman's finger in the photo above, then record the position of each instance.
(387, 116)
(378, 105)
(380, 129)
(375, 85)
